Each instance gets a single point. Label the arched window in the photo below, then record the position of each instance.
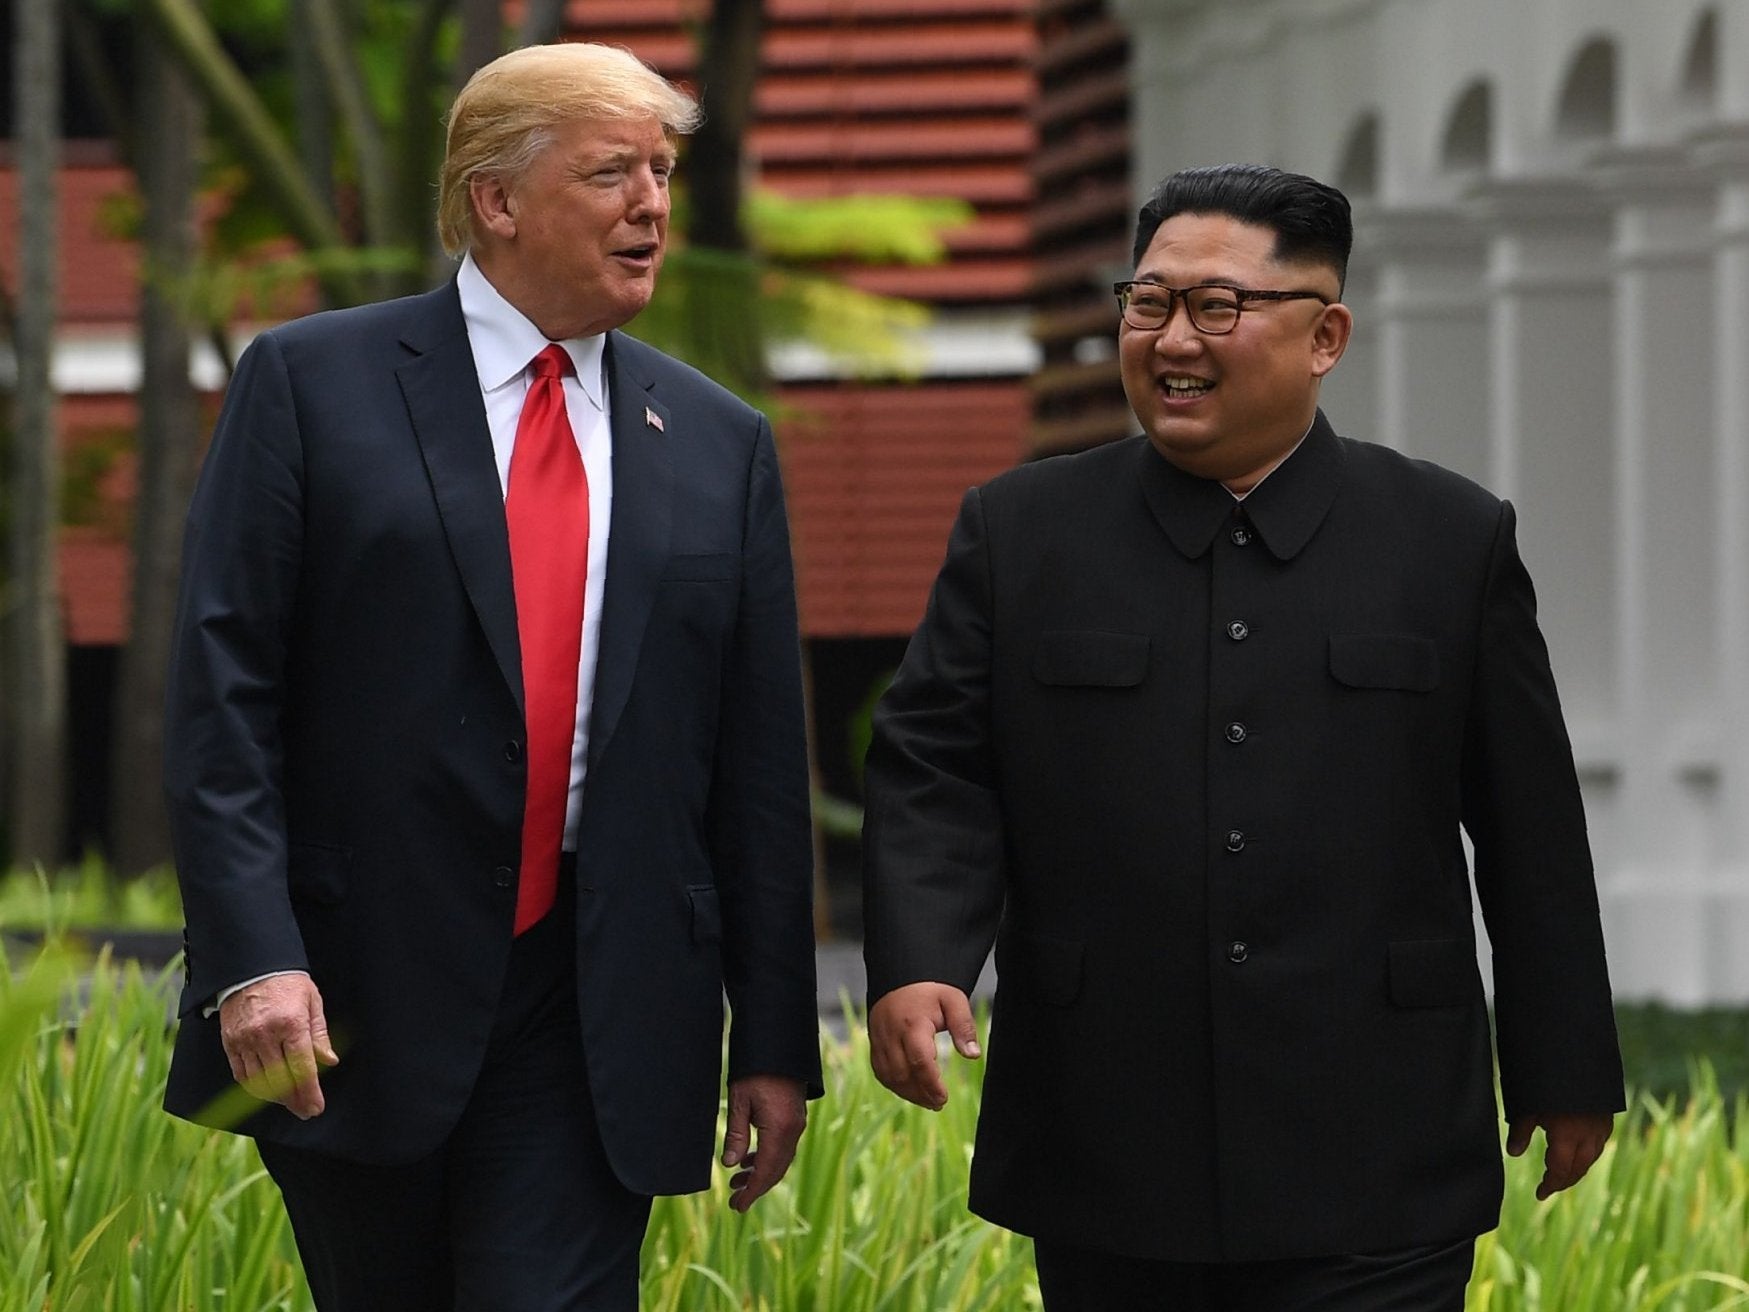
(1357, 172)
(1586, 110)
(1698, 90)
(1468, 146)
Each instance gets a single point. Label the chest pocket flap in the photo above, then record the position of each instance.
(1385, 660)
(1090, 658)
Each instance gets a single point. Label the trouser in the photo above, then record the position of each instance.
(1425, 1279)
(518, 1211)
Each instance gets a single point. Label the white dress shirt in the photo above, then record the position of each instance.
(504, 342)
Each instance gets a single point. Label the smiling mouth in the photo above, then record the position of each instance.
(1183, 387)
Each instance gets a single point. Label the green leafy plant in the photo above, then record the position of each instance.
(108, 1203)
(88, 896)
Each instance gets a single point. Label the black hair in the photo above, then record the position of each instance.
(1311, 219)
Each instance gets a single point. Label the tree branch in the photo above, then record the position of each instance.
(312, 114)
(335, 53)
(542, 22)
(417, 139)
(271, 159)
(728, 70)
(100, 78)
(482, 37)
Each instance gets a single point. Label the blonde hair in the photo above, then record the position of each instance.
(506, 115)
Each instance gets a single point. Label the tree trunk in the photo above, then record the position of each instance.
(313, 114)
(417, 141)
(37, 673)
(716, 160)
(543, 21)
(337, 53)
(264, 148)
(167, 447)
(716, 167)
(725, 339)
(482, 37)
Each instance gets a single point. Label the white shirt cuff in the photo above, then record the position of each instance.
(212, 1008)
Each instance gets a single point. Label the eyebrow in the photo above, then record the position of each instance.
(624, 154)
(1220, 280)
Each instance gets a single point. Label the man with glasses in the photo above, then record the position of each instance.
(1191, 732)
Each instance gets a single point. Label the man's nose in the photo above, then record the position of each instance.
(648, 198)
(1178, 333)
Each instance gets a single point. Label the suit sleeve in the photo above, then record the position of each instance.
(933, 868)
(226, 685)
(760, 822)
(1555, 1027)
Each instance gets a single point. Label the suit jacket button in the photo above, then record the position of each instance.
(1238, 630)
(1236, 732)
(513, 751)
(1237, 951)
(503, 876)
(1235, 840)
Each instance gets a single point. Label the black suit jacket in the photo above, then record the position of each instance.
(345, 767)
(1200, 774)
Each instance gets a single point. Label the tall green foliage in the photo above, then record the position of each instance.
(107, 1203)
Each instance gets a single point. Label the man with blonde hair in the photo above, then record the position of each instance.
(485, 743)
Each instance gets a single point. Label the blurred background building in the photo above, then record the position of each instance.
(1551, 285)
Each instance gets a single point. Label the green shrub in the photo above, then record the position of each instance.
(108, 1203)
(88, 897)
(1660, 1046)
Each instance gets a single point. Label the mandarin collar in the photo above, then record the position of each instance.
(1285, 509)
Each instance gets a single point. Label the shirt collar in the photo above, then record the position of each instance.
(1285, 508)
(504, 341)
(1240, 496)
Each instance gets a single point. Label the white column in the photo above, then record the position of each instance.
(1550, 417)
(1432, 312)
(1547, 410)
(1725, 152)
(1657, 888)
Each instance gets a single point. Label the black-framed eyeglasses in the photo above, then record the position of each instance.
(1213, 307)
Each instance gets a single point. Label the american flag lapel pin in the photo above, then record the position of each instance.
(653, 419)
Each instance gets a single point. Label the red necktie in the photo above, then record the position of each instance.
(547, 507)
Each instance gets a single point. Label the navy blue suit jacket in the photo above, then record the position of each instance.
(344, 759)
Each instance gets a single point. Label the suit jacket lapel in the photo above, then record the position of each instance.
(644, 434)
(442, 390)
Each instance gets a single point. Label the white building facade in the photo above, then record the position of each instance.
(1551, 292)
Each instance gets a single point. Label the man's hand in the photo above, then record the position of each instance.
(1573, 1142)
(276, 1036)
(901, 1039)
(777, 1107)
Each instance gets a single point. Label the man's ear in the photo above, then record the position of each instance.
(1330, 338)
(490, 200)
